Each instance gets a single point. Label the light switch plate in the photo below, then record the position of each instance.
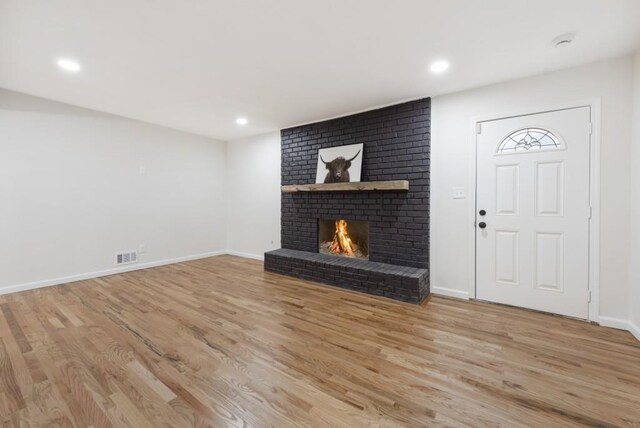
(458, 193)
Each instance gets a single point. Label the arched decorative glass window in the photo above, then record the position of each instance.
(528, 140)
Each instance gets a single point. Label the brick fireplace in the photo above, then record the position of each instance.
(396, 147)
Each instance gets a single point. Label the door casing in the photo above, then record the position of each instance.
(594, 193)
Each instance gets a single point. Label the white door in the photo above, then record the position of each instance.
(532, 220)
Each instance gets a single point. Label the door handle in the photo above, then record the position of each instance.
(482, 225)
(482, 212)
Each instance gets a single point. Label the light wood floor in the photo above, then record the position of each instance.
(218, 342)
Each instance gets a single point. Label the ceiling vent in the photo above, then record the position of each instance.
(126, 258)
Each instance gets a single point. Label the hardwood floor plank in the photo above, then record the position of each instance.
(16, 330)
(125, 413)
(11, 390)
(14, 353)
(219, 342)
(152, 382)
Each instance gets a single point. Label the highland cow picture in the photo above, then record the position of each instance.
(341, 164)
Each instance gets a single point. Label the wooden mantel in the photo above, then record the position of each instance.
(402, 185)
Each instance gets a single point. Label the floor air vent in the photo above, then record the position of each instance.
(126, 258)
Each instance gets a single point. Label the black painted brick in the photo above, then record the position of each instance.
(396, 147)
(396, 282)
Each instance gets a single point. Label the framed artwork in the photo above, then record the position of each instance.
(341, 164)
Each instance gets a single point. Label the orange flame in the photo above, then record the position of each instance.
(341, 242)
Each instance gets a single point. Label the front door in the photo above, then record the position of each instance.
(532, 219)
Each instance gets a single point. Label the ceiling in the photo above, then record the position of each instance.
(198, 65)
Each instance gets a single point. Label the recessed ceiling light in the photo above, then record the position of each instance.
(439, 66)
(69, 65)
(242, 121)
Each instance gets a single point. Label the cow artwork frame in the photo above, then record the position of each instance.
(342, 164)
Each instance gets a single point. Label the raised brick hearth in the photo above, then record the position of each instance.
(398, 282)
(396, 147)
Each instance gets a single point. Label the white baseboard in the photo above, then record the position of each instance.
(621, 325)
(89, 275)
(245, 255)
(635, 330)
(442, 291)
(450, 292)
(618, 323)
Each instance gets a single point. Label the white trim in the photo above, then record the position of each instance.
(594, 192)
(476, 128)
(621, 324)
(634, 329)
(245, 255)
(450, 292)
(594, 222)
(89, 275)
(617, 323)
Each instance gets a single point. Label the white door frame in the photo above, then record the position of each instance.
(594, 193)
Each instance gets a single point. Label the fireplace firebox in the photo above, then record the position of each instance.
(346, 238)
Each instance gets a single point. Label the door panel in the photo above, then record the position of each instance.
(507, 189)
(507, 257)
(533, 182)
(549, 188)
(549, 261)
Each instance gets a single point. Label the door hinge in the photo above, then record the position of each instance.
(589, 296)
(590, 212)
(478, 128)
(590, 128)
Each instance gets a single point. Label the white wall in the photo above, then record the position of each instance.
(77, 186)
(253, 200)
(452, 140)
(634, 265)
(72, 194)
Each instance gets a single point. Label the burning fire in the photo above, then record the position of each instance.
(341, 242)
